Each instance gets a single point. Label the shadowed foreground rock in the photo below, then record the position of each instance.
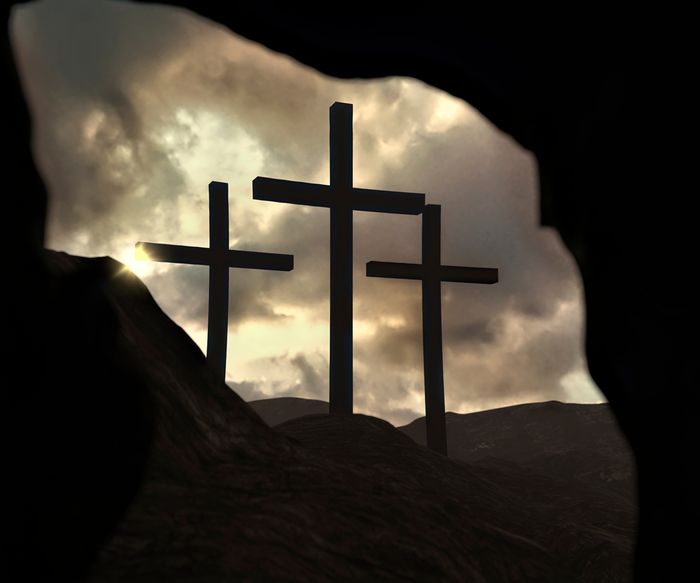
(225, 497)
(566, 441)
(572, 443)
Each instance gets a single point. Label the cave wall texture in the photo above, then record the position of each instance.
(605, 102)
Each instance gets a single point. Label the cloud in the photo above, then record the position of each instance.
(248, 390)
(479, 332)
(311, 379)
(399, 347)
(137, 108)
(282, 375)
(529, 362)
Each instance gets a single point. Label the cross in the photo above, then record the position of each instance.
(342, 198)
(432, 273)
(219, 258)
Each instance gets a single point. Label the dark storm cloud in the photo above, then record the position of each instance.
(519, 368)
(478, 332)
(399, 347)
(312, 381)
(305, 234)
(185, 290)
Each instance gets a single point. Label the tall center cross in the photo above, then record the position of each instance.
(219, 258)
(432, 273)
(342, 199)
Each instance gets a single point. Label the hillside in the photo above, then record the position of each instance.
(222, 496)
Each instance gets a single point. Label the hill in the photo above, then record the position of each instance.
(278, 410)
(565, 441)
(222, 496)
(562, 440)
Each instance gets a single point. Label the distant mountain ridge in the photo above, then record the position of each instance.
(280, 409)
(560, 440)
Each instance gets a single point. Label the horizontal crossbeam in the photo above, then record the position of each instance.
(394, 270)
(175, 253)
(259, 260)
(304, 193)
(387, 201)
(321, 195)
(451, 273)
(203, 256)
(468, 274)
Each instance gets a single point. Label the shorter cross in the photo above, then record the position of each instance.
(219, 258)
(432, 273)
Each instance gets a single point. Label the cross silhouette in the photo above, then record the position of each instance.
(342, 199)
(432, 273)
(219, 258)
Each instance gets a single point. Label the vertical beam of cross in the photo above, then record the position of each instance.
(436, 436)
(341, 316)
(342, 198)
(432, 273)
(219, 258)
(217, 326)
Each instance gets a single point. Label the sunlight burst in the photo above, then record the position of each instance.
(137, 261)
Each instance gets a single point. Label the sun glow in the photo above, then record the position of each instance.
(136, 260)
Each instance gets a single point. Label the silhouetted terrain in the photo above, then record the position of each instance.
(579, 446)
(593, 528)
(280, 409)
(225, 497)
(561, 440)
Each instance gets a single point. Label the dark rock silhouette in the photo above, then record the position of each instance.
(79, 423)
(563, 460)
(567, 442)
(607, 103)
(224, 497)
(590, 532)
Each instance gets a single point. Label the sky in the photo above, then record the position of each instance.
(137, 108)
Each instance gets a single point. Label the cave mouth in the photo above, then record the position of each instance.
(138, 112)
(587, 118)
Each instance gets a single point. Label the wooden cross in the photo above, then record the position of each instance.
(219, 258)
(432, 273)
(342, 199)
